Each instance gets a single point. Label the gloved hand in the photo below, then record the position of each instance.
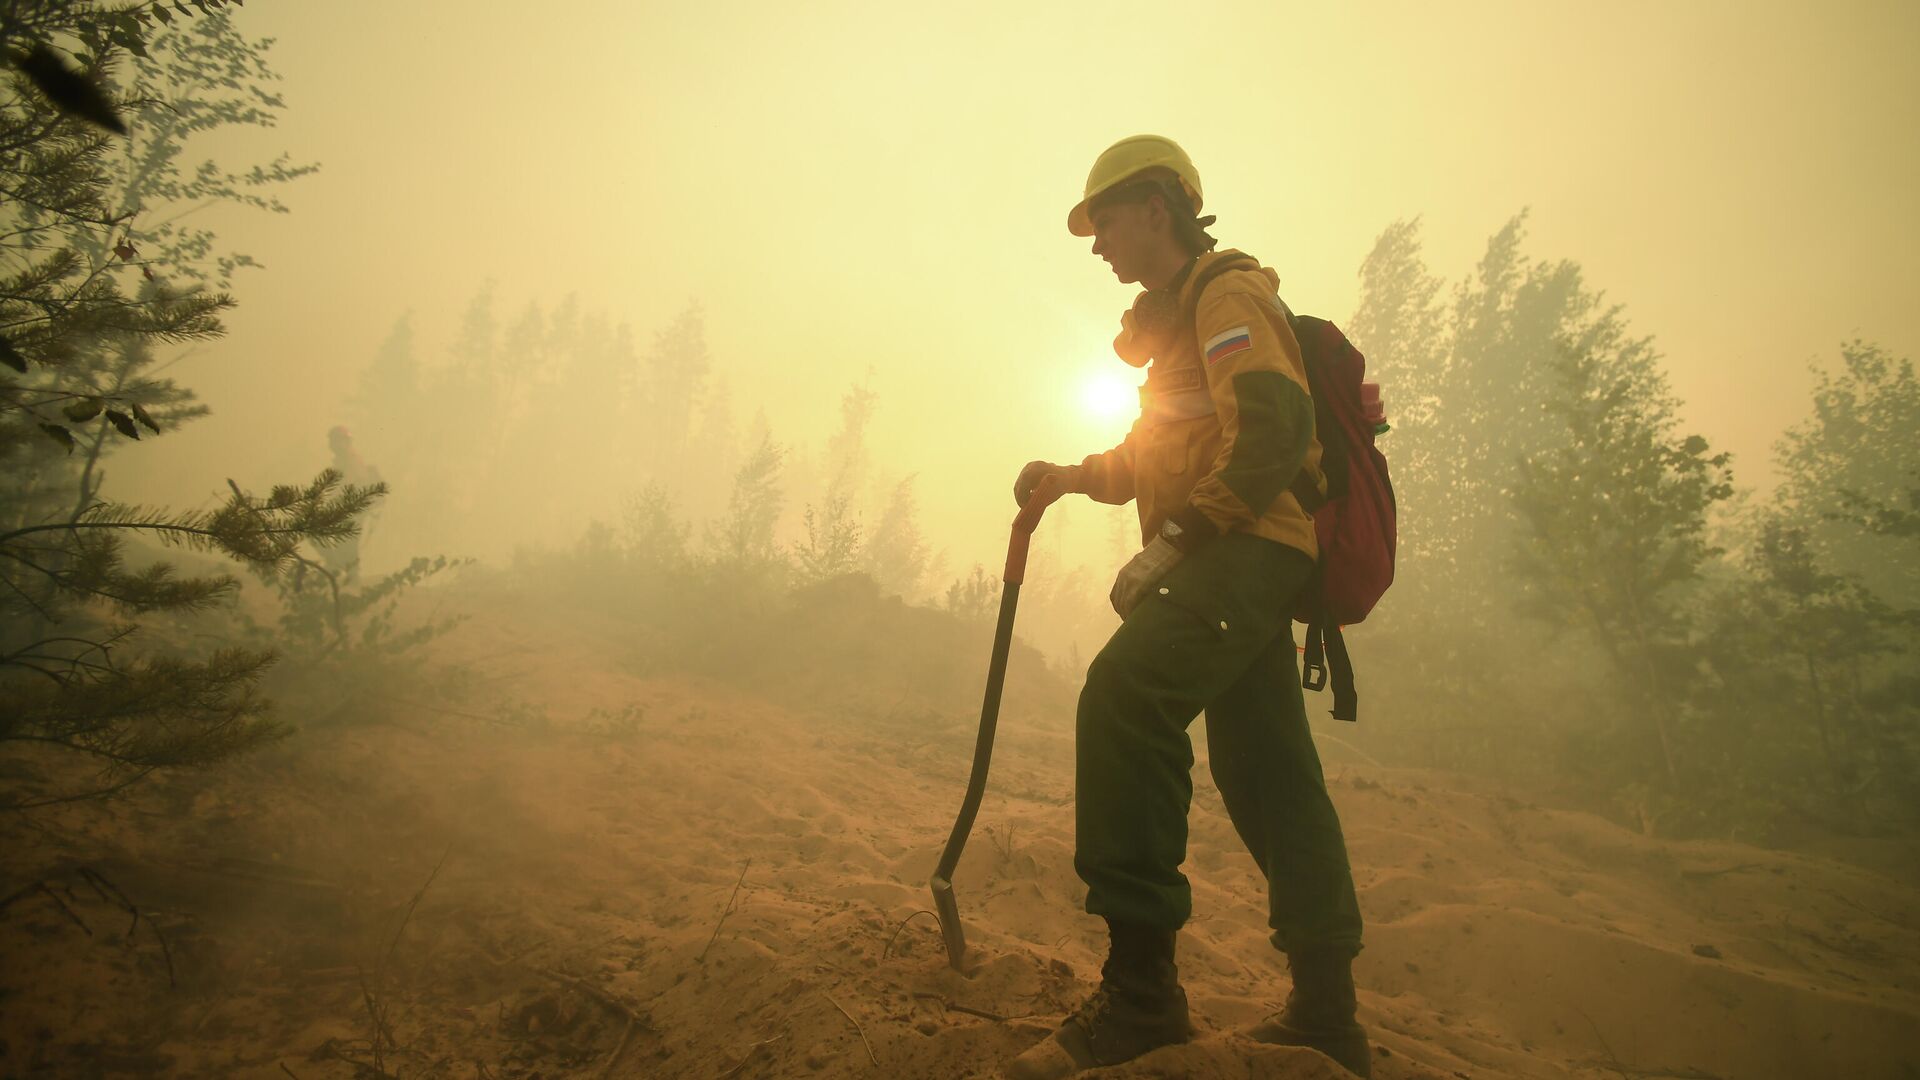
(1141, 573)
(1036, 471)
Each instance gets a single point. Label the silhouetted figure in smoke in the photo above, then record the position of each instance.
(344, 558)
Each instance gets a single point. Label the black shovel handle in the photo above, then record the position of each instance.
(1016, 571)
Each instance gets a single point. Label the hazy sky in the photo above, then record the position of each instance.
(882, 188)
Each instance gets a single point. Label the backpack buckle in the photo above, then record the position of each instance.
(1313, 665)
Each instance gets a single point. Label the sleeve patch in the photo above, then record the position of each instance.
(1228, 342)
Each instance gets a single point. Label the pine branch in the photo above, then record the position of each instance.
(157, 713)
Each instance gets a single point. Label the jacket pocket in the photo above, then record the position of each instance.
(1178, 449)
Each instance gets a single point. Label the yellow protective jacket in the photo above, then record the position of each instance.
(1226, 421)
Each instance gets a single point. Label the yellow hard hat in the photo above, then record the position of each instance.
(1128, 158)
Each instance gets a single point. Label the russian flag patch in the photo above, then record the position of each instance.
(1227, 342)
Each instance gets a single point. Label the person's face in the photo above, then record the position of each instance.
(1127, 234)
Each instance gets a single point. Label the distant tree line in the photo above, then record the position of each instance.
(552, 426)
(1584, 590)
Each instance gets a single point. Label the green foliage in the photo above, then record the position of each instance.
(767, 625)
(745, 537)
(1465, 384)
(55, 567)
(896, 555)
(1478, 408)
(974, 597)
(1563, 604)
(127, 718)
(1614, 521)
(831, 546)
(322, 617)
(1852, 469)
(847, 457)
(83, 212)
(82, 342)
(653, 533)
(1400, 326)
(196, 76)
(744, 603)
(82, 315)
(339, 640)
(63, 642)
(1781, 732)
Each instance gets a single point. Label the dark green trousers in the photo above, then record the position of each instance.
(1214, 634)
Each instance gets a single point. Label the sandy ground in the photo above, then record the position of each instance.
(654, 876)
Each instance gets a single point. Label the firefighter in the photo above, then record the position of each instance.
(1218, 465)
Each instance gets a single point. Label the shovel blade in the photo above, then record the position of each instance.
(948, 909)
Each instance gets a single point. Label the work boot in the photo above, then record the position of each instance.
(1138, 1007)
(1320, 1011)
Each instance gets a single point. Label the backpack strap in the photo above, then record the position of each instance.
(1215, 269)
(1308, 333)
(1313, 665)
(1326, 660)
(1345, 703)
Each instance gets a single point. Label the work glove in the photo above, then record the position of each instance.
(1141, 573)
(1037, 471)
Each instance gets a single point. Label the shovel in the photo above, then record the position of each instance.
(943, 901)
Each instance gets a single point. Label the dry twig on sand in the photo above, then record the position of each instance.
(752, 1052)
(888, 951)
(43, 887)
(981, 1013)
(1613, 1058)
(856, 1027)
(377, 1016)
(728, 910)
(108, 893)
(408, 917)
(1357, 752)
(103, 887)
(376, 1008)
(619, 1048)
(1633, 1071)
(1002, 843)
(1697, 874)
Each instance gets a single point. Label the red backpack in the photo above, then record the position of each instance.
(1355, 523)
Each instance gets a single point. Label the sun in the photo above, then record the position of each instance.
(1107, 396)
